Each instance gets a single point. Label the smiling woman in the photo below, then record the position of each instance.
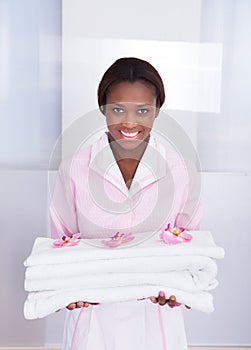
(126, 182)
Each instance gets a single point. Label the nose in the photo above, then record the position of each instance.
(130, 120)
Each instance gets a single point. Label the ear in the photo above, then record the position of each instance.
(157, 112)
(102, 109)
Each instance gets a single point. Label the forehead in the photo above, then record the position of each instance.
(137, 92)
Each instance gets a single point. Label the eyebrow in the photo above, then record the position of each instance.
(139, 105)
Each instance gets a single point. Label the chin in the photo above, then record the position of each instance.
(130, 144)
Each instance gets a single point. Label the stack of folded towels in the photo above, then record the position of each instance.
(91, 272)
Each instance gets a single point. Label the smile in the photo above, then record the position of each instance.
(129, 134)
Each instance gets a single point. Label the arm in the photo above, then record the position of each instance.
(63, 214)
(189, 217)
(190, 212)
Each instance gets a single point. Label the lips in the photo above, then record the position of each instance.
(129, 134)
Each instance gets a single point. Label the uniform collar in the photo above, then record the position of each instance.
(151, 168)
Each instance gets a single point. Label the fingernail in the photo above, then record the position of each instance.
(161, 294)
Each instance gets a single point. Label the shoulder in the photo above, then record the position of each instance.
(172, 155)
(79, 162)
(178, 160)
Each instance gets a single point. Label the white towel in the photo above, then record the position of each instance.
(56, 277)
(191, 273)
(135, 264)
(43, 253)
(184, 280)
(41, 304)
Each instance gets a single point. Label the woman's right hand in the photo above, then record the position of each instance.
(79, 304)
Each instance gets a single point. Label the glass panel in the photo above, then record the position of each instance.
(224, 139)
(30, 84)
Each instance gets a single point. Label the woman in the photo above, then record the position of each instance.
(125, 181)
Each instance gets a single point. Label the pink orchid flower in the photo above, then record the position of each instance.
(118, 239)
(67, 241)
(175, 235)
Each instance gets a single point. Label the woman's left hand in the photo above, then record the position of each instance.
(161, 300)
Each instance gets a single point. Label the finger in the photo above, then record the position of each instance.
(86, 304)
(172, 301)
(153, 300)
(162, 298)
(80, 304)
(188, 307)
(71, 306)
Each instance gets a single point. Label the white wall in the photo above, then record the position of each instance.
(226, 202)
(23, 217)
(95, 35)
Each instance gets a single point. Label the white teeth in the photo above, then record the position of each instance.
(129, 134)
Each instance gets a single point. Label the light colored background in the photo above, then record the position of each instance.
(31, 119)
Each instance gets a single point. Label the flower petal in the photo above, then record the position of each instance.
(72, 242)
(76, 236)
(118, 239)
(186, 236)
(58, 243)
(168, 227)
(169, 238)
(127, 238)
(111, 243)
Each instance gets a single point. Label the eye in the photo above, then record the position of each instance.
(118, 110)
(142, 111)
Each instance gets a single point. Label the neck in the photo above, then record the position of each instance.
(121, 153)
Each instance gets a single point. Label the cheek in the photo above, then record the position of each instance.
(112, 124)
(147, 124)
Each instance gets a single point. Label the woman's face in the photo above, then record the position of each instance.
(130, 112)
